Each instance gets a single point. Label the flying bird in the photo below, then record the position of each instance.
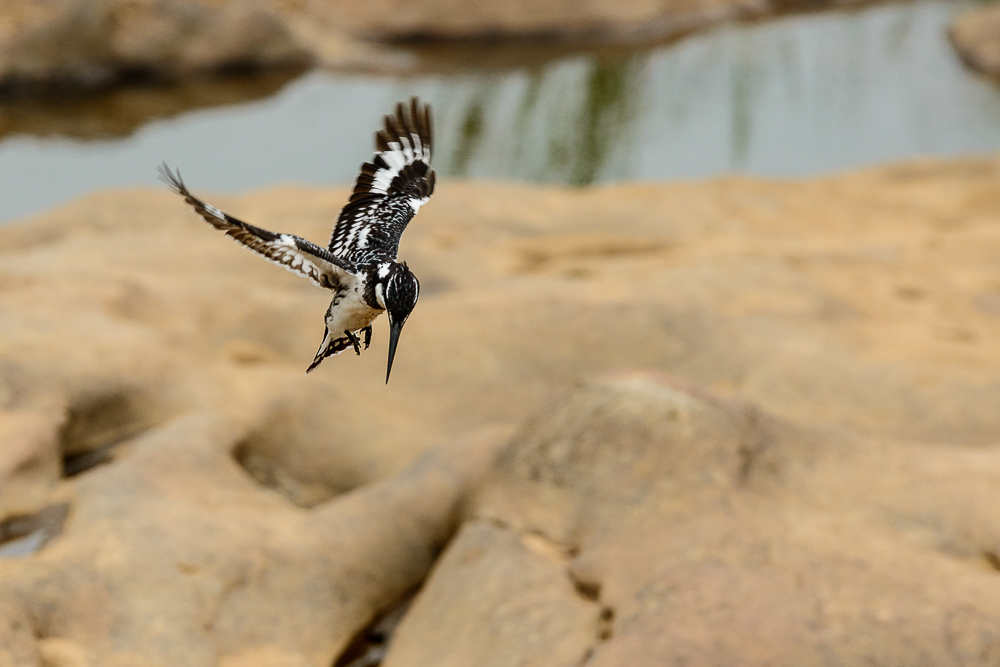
(360, 264)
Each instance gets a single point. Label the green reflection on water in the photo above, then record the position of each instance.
(742, 82)
(612, 96)
(469, 135)
(529, 103)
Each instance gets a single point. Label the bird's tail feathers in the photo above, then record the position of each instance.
(330, 347)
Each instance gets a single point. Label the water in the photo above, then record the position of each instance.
(23, 546)
(795, 95)
(23, 535)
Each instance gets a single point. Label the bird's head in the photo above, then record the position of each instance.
(397, 289)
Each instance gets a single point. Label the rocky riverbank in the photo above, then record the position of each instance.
(728, 421)
(50, 45)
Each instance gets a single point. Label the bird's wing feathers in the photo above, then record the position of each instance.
(390, 189)
(292, 252)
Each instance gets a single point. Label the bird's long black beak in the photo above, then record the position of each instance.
(394, 329)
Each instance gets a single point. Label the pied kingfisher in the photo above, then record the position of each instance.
(359, 266)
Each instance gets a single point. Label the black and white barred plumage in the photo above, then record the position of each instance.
(360, 265)
(390, 189)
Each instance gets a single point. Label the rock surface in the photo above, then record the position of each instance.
(46, 44)
(700, 531)
(802, 473)
(51, 43)
(976, 37)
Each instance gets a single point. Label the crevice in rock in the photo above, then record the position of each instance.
(229, 588)
(605, 631)
(74, 464)
(590, 590)
(24, 534)
(992, 559)
(95, 425)
(369, 646)
(751, 446)
(606, 624)
(565, 551)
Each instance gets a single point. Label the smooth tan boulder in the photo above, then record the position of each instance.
(524, 611)
(701, 531)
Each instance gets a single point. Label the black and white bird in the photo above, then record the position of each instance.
(360, 264)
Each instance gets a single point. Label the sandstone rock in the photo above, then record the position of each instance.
(524, 612)
(709, 533)
(82, 43)
(560, 19)
(87, 43)
(30, 461)
(61, 653)
(838, 465)
(169, 551)
(976, 37)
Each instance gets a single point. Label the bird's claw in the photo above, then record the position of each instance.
(354, 341)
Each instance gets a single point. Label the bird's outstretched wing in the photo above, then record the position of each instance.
(390, 189)
(292, 252)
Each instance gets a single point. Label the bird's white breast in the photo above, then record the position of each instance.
(349, 311)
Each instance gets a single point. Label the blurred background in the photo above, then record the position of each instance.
(243, 94)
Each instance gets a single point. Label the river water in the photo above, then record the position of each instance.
(795, 95)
